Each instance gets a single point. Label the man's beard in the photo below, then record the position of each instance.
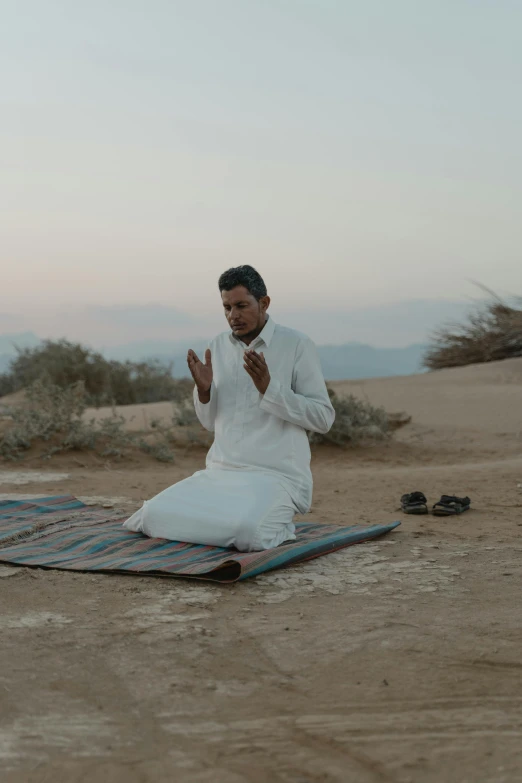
(253, 333)
(248, 335)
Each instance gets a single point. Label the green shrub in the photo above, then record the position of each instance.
(7, 384)
(159, 450)
(49, 411)
(356, 422)
(62, 363)
(56, 416)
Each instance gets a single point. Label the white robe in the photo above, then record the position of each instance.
(258, 468)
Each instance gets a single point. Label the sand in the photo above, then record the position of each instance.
(397, 661)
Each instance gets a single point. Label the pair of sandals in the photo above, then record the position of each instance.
(447, 506)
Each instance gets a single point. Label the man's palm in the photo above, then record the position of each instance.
(202, 373)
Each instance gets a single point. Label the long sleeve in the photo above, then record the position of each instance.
(206, 413)
(307, 404)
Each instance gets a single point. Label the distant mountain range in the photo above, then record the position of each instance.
(347, 361)
(355, 360)
(339, 362)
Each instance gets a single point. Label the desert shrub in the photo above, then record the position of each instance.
(55, 415)
(108, 436)
(356, 422)
(142, 382)
(62, 363)
(182, 391)
(183, 422)
(493, 331)
(185, 414)
(7, 384)
(49, 411)
(160, 450)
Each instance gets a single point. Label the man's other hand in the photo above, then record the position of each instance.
(256, 366)
(202, 373)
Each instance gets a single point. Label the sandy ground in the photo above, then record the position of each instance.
(396, 661)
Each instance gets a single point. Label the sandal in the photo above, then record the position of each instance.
(450, 505)
(414, 503)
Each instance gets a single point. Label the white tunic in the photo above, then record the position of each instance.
(268, 433)
(258, 468)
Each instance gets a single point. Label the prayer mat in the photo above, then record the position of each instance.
(64, 533)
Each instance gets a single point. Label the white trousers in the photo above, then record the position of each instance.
(246, 509)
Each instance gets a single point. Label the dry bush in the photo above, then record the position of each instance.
(185, 416)
(7, 384)
(62, 363)
(56, 416)
(492, 332)
(356, 422)
(184, 424)
(158, 448)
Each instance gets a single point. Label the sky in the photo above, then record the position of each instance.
(362, 155)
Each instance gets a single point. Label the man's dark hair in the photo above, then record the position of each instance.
(243, 275)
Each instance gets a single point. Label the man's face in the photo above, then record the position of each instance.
(244, 313)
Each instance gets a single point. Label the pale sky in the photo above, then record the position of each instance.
(357, 152)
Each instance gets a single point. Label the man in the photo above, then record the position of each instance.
(259, 390)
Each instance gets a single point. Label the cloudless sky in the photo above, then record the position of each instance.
(356, 151)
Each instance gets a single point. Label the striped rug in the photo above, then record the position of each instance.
(62, 532)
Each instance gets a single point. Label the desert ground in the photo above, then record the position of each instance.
(397, 661)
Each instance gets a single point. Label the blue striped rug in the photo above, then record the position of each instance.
(61, 532)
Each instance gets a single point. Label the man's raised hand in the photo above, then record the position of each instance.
(256, 366)
(202, 373)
